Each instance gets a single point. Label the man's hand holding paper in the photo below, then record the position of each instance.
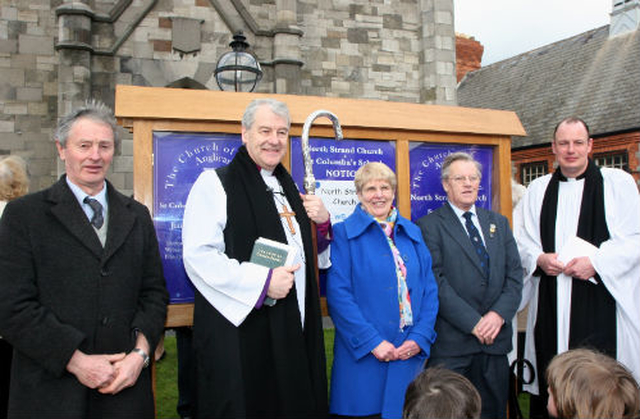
(576, 254)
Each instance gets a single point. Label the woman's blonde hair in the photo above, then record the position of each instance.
(374, 171)
(14, 180)
(588, 384)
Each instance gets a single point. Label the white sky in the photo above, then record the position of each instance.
(511, 27)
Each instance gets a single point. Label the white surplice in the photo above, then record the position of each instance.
(233, 288)
(294, 238)
(617, 261)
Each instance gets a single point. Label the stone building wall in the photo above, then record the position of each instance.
(28, 86)
(55, 54)
(362, 49)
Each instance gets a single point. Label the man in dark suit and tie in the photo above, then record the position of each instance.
(83, 294)
(477, 266)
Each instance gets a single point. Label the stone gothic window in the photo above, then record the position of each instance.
(531, 171)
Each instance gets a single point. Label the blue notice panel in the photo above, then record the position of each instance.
(334, 166)
(179, 158)
(426, 160)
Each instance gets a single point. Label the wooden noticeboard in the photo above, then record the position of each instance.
(178, 132)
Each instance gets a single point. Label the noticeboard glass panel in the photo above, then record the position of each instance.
(334, 166)
(427, 193)
(178, 160)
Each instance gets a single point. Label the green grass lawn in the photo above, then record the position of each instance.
(167, 378)
(167, 375)
(167, 381)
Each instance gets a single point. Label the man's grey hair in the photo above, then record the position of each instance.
(279, 108)
(458, 156)
(92, 109)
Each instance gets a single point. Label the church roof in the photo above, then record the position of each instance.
(589, 75)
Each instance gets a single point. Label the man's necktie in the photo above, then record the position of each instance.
(476, 240)
(97, 220)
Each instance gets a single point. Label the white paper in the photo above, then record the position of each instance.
(575, 248)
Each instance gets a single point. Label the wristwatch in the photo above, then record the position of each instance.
(143, 354)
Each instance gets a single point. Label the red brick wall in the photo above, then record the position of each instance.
(628, 142)
(468, 55)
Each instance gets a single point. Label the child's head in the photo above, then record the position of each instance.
(441, 393)
(588, 384)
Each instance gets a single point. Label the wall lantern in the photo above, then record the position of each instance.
(238, 70)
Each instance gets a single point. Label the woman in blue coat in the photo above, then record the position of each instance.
(383, 300)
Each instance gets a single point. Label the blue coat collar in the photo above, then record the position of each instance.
(359, 221)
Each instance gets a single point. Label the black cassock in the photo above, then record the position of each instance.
(593, 308)
(268, 366)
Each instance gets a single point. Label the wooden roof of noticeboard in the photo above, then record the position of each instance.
(134, 102)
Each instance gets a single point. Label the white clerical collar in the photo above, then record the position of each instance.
(271, 181)
(564, 178)
(574, 179)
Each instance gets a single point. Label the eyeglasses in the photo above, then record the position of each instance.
(461, 179)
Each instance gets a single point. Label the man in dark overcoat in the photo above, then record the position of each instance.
(83, 294)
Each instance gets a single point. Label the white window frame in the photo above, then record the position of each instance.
(533, 170)
(617, 160)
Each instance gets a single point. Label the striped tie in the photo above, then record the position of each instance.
(97, 220)
(481, 251)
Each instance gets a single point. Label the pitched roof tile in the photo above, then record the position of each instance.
(589, 75)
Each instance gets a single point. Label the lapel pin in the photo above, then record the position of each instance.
(492, 229)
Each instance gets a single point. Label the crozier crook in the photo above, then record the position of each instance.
(309, 179)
